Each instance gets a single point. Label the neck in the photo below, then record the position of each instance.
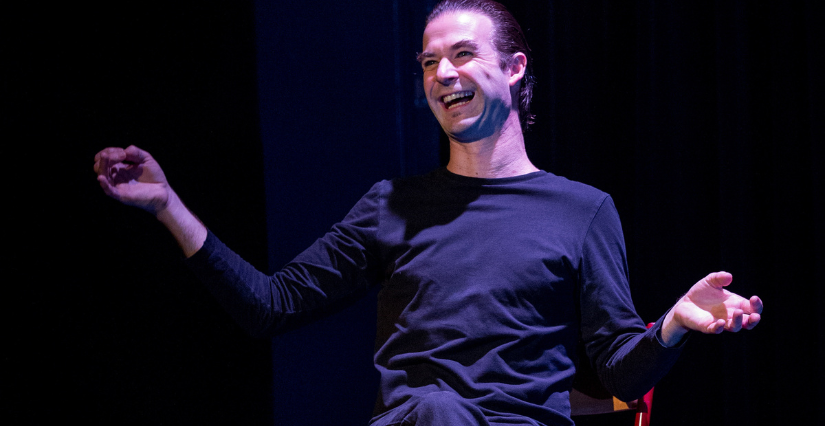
(496, 156)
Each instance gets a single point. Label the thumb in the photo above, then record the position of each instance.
(719, 279)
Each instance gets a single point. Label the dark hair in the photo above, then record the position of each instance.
(508, 40)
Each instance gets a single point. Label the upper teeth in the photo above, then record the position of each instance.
(455, 96)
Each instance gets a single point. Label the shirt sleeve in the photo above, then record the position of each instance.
(628, 358)
(331, 273)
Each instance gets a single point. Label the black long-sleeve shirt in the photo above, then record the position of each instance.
(487, 286)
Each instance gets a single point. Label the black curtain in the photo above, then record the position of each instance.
(102, 323)
(704, 120)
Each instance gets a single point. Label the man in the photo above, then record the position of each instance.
(491, 269)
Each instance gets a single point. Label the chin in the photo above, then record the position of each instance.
(459, 133)
(471, 130)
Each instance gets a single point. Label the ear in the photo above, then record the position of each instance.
(517, 67)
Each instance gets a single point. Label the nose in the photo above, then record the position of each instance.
(446, 72)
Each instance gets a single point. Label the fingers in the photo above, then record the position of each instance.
(747, 317)
(716, 327)
(735, 323)
(752, 321)
(136, 155)
(105, 158)
(107, 186)
(754, 305)
(106, 163)
(743, 321)
(753, 309)
(108, 157)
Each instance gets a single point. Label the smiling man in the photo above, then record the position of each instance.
(473, 90)
(491, 270)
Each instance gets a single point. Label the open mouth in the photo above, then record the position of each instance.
(457, 99)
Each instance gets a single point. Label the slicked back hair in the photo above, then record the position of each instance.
(508, 39)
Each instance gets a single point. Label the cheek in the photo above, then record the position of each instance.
(427, 85)
(428, 88)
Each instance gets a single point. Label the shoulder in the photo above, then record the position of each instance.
(574, 191)
(410, 190)
(413, 189)
(575, 201)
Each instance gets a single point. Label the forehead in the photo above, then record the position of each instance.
(452, 27)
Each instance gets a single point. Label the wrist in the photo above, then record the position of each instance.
(672, 332)
(188, 230)
(172, 208)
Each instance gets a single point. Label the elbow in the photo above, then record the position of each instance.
(627, 395)
(630, 386)
(258, 323)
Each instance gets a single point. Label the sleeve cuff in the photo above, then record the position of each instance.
(657, 329)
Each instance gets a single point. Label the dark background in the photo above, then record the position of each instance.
(704, 120)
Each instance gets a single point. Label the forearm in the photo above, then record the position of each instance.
(329, 274)
(253, 299)
(186, 228)
(637, 363)
(305, 289)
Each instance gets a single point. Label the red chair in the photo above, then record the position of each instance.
(588, 397)
(583, 405)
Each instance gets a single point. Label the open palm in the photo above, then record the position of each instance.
(709, 308)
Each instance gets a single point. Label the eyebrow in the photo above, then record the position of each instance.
(466, 43)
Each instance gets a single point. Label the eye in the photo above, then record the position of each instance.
(429, 63)
(464, 54)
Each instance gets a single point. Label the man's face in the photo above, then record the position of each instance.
(465, 86)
